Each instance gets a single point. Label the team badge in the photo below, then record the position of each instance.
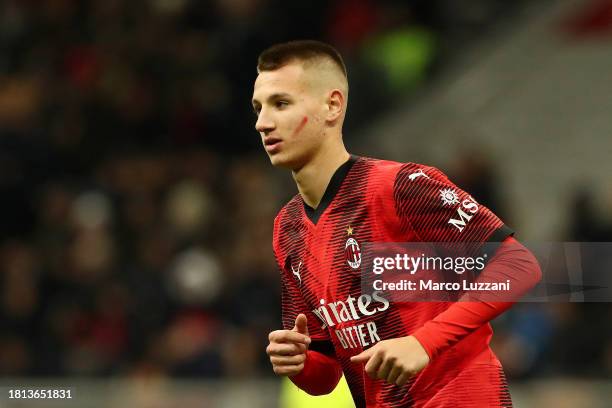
(352, 251)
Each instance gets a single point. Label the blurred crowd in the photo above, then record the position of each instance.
(136, 209)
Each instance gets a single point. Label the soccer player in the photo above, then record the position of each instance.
(393, 354)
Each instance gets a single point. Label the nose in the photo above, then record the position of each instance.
(264, 123)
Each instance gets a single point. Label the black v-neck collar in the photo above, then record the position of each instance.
(330, 191)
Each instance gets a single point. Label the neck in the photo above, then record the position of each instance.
(313, 178)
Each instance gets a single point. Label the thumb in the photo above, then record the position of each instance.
(362, 357)
(301, 324)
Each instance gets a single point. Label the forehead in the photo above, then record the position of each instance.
(287, 79)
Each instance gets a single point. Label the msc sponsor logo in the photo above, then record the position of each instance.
(465, 213)
(449, 196)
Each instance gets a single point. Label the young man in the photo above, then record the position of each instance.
(393, 354)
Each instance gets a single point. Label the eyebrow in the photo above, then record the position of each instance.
(272, 97)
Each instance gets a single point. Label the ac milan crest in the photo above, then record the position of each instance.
(352, 251)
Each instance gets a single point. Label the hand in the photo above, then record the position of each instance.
(394, 360)
(287, 348)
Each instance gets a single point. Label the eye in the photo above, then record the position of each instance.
(281, 104)
(256, 110)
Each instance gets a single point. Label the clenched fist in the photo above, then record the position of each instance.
(287, 348)
(394, 360)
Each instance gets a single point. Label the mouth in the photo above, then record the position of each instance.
(272, 144)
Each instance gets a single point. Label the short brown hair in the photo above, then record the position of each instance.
(279, 55)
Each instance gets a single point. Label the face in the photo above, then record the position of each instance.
(289, 115)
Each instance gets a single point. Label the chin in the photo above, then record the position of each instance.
(278, 160)
(283, 160)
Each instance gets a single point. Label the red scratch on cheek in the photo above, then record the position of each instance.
(301, 126)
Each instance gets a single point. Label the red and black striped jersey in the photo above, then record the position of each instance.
(319, 252)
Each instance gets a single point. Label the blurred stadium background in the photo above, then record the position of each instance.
(136, 205)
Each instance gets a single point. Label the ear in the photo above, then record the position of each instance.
(335, 105)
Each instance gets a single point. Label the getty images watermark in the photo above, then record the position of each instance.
(431, 272)
(422, 264)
